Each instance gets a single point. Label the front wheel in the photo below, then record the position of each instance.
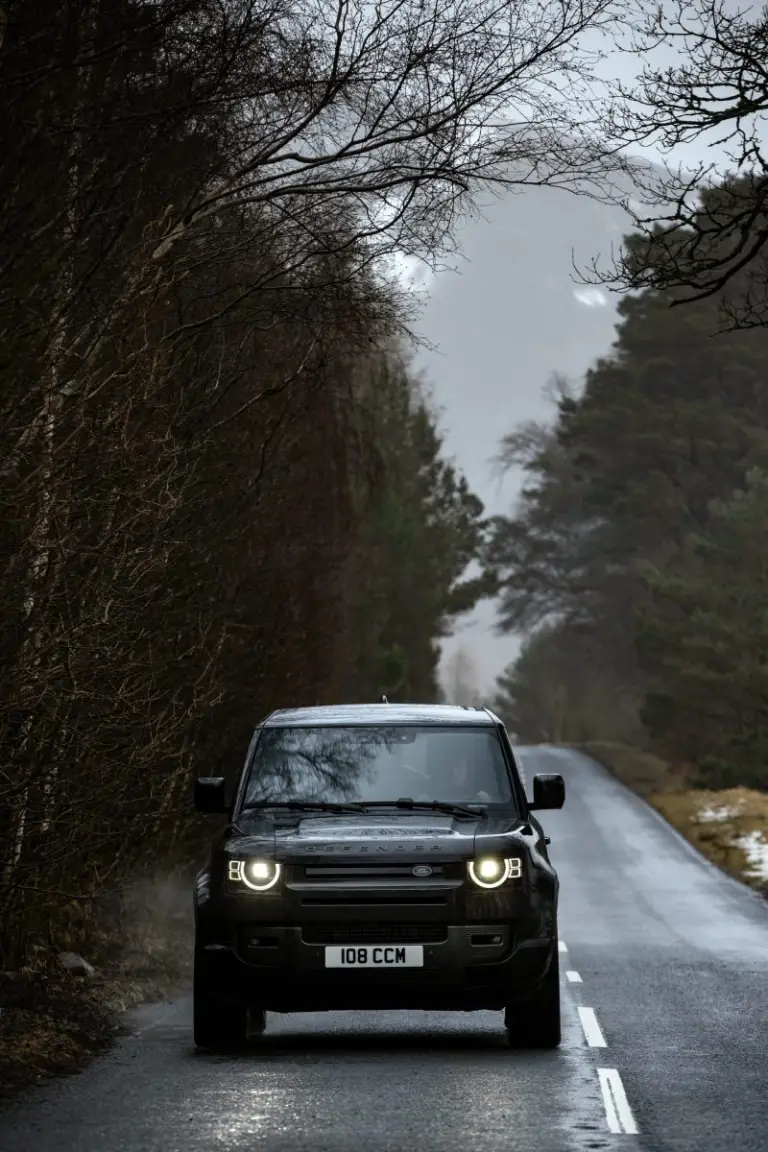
(217, 1025)
(535, 1023)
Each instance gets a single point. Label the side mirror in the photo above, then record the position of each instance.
(210, 795)
(548, 792)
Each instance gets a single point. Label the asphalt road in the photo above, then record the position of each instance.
(665, 981)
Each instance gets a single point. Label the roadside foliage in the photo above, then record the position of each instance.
(636, 561)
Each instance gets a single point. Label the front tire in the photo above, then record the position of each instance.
(217, 1025)
(535, 1023)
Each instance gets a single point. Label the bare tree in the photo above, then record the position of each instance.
(401, 108)
(702, 230)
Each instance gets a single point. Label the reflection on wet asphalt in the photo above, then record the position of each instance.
(396, 1081)
(670, 957)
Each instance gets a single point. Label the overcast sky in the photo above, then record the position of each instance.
(501, 326)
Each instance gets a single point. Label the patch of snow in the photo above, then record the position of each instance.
(755, 848)
(705, 815)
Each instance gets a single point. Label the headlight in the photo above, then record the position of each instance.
(493, 871)
(258, 874)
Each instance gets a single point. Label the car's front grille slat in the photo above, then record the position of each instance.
(374, 933)
(369, 871)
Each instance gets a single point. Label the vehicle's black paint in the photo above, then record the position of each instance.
(389, 875)
(211, 794)
(548, 792)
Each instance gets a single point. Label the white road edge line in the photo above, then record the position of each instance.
(589, 1023)
(574, 978)
(561, 946)
(617, 1110)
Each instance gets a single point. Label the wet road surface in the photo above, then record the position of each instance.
(665, 1046)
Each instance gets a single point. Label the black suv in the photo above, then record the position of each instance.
(377, 856)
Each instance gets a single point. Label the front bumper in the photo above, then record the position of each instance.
(473, 967)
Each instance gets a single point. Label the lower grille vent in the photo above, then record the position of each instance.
(372, 933)
(364, 899)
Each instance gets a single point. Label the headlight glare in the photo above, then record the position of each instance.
(493, 871)
(489, 869)
(259, 874)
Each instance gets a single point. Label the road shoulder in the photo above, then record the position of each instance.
(727, 827)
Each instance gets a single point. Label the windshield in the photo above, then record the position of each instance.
(355, 765)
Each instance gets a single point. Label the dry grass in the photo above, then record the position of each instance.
(50, 1024)
(720, 824)
(641, 771)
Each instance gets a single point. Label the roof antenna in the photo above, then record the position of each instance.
(383, 700)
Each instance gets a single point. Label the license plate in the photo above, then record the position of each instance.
(375, 956)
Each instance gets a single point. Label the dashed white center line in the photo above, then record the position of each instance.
(617, 1110)
(573, 978)
(589, 1023)
(561, 946)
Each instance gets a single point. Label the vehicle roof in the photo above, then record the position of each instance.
(353, 714)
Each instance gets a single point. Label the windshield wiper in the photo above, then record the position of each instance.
(405, 802)
(303, 805)
(434, 805)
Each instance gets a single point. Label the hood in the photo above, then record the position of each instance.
(378, 835)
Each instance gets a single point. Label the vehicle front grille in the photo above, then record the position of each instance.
(379, 871)
(373, 933)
